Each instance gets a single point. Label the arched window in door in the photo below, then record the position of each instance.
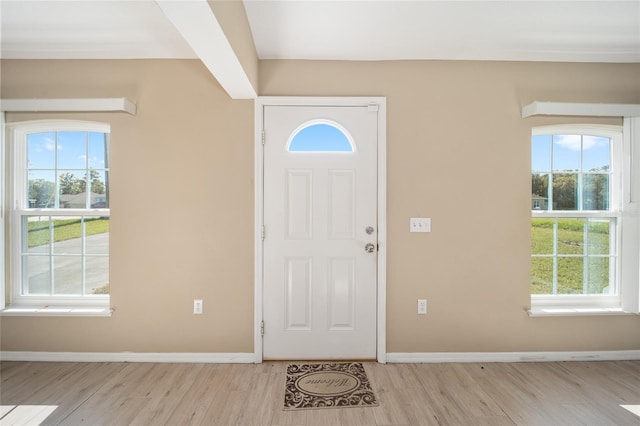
(320, 136)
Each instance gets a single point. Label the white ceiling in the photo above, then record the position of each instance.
(88, 29)
(560, 30)
(576, 31)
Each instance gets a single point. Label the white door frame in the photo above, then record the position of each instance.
(373, 102)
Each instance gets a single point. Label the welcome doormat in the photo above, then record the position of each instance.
(327, 385)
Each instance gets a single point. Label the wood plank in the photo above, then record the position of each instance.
(558, 393)
(119, 399)
(196, 399)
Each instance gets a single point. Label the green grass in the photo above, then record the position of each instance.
(64, 229)
(570, 270)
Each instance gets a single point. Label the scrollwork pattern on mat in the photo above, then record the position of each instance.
(297, 398)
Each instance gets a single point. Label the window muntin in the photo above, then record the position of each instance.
(573, 256)
(67, 169)
(575, 229)
(60, 231)
(578, 168)
(320, 136)
(65, 255)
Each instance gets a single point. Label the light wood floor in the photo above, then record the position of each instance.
(556, 393)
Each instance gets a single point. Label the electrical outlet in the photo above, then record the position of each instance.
(422, 306)
(197, 306)
(420, 224)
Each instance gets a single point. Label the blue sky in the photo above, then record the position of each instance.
(320, 137)
(566, 153)
(71, 148)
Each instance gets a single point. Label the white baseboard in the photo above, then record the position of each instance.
(435, 357)
(179, 357)
(249, 358)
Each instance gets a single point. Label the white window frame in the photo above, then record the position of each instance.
(3, 210)
(43, 305)
(622, 208)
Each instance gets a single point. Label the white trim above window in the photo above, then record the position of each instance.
(580, 109)
(69, 105)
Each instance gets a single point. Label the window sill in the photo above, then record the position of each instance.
(56, 311)
(575, 312)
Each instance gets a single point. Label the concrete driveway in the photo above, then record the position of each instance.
(67, 266)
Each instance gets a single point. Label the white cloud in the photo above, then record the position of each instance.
(589, 142)
(572, 142)
(50, 145)
(96, 160)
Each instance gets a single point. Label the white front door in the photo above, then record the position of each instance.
(320, 219)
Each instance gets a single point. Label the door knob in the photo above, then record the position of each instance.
(369, 248)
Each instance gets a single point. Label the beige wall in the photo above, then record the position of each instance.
(182, 196)
(458, 152)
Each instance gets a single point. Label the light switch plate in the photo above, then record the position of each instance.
(420, 224)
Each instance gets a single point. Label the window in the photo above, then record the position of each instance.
(320, 136)
(576, 227)
(60, 219)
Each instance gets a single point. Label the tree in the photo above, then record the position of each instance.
(565, 191)
(595, 192)
(97, 186)
(540, 185)
(69, 184)
(41, 193)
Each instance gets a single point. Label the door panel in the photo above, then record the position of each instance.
(342, 286)
(298, 293)
(319, 298)
(299, 194)
(341, 204)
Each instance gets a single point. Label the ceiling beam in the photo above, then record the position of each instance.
(195, 20)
